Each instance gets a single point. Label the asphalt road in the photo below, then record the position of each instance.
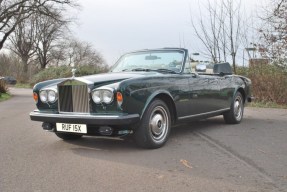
(201, 156)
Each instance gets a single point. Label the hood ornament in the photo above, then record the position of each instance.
(74, 72)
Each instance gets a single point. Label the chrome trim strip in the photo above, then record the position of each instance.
(83, 80)
(50, 88)
(69, 113)
(38, 114)
(207, 113)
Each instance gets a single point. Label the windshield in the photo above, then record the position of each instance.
(164, 61)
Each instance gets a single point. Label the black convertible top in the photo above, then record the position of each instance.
(222, 68)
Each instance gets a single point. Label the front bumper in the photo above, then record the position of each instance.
(85, 118)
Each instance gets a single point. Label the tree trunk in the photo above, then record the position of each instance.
(234, 62)
(25, 65)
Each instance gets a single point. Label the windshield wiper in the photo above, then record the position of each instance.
(156, 70)
(165, 71)
(140, 69)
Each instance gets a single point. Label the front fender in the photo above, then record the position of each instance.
(151, 98)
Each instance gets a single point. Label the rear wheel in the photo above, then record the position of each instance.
(67, 136)
(235, 114)
(155, 126)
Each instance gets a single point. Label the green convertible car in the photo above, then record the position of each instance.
(144, 94)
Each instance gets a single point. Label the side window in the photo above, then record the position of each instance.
(204, 68)
(187, 67)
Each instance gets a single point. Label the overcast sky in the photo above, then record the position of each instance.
(114, 27)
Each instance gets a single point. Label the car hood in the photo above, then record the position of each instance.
(113, 77)
(98, 79)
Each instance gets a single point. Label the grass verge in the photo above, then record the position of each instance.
(266, 105)
(23, 85)
(4, 96)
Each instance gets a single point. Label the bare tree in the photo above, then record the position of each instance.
(49, 31)
(234, 28)
(273, 33)
(22, 41)
(58, 54)
(36, 37)
(10, 65)
(13, 12)
(209, 32)
(82, 53)
(220, 30)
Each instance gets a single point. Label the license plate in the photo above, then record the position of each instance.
(72, 128)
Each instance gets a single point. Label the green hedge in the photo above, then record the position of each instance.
(3, 87)
(64, 72)
(269, 83)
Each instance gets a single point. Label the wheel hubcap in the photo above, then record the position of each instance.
(238, 108)
(158, 123)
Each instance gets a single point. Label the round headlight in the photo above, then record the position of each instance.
(44, 96)
(96, 96)
(52, 96)
(107, 96)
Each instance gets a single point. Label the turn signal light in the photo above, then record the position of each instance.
(35, 96)
(119, 98)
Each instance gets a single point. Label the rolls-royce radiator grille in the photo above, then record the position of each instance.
(73, 98)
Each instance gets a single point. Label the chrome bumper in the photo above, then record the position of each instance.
(85, 118)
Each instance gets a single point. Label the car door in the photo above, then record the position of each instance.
(213, 93)
(226, 91)
(199, 94)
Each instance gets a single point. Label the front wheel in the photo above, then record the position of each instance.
(67, 136)
(155, 126)
(235, 114)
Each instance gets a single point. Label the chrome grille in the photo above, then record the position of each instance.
(73, 98)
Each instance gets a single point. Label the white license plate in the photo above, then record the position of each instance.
(72, 128)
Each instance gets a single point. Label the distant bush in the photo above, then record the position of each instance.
(269, 83)
(3, 87)
(244, 71)
(64, 72)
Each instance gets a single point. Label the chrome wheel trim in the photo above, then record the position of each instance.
(158, 124)
(238, 108)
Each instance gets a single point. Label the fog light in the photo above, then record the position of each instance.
(48, 126)
(105, 130)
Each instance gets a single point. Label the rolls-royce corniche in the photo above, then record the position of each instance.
(143, 95)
